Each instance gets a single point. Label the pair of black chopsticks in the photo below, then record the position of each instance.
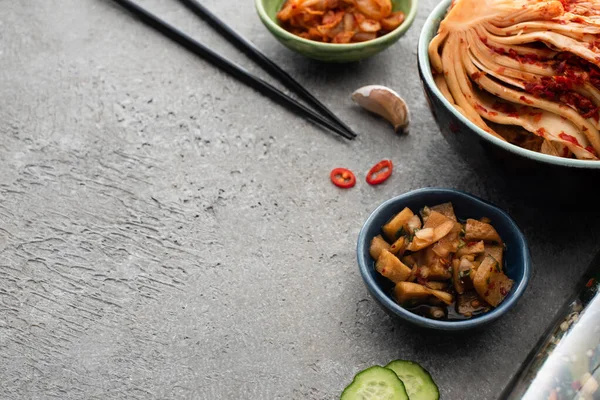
(327, 119)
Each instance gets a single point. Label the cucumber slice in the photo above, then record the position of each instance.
(375, 383)
(419, 384)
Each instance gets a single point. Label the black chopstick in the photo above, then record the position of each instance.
(266, 63)
(229, 67)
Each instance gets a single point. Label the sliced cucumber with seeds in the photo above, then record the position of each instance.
(419, 384)
(375, 383)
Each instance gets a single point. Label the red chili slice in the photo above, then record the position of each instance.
(342, 177)
(380, 172)
(590, 283)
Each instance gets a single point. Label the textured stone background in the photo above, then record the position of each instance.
(167, 233)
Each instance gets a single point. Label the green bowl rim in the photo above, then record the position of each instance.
(423, 58)
(396, 33)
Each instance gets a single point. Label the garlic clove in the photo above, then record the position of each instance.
(386, 103)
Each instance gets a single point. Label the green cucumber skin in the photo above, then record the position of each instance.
(429, 390)
(379, 373)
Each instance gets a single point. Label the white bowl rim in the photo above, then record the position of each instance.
(423, 60)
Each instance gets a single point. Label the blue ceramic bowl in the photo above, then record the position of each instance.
(523, 173)
(517, 257)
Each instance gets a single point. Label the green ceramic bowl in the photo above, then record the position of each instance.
(329, 52)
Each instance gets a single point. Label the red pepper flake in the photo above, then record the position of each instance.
(486, 294)
(537, 116)
(591, 150)
(550, 87)
(565, 151)
(560, 88)
(590, 283)
(541, 132)
(592, 113)
(546, 88)
(492, 285)
(504, 107)
(503, 291)
(383, 271)
(569, 138)
(528, 58)
(498, 50)
(476, 75)
(480, 107)
(492, 113)
(525, 100)
(473, 243)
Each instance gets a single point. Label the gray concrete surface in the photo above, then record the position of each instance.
(167, 233)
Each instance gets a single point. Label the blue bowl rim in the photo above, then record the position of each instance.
(390, 304)
(393, 35)
(423, 62)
